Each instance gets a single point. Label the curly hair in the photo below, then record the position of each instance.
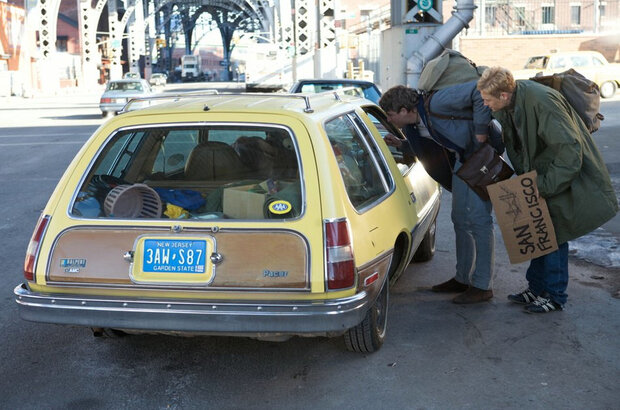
(496, 80)
(399, 97)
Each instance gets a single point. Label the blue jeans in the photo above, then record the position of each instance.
(475, 240)
(549, 274)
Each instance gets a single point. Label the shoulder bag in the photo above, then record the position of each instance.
(484, 167)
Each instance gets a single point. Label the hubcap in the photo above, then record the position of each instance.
(607, 89)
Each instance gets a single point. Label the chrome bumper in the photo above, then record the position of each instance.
(211, 317)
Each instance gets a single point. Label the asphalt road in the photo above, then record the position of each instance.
(437, 355)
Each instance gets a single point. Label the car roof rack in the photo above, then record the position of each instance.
(143, 102)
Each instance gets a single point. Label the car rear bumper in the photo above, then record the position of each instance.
(116, 107)
(320, 317)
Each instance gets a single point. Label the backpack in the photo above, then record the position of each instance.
(582, 94)
(450, 68)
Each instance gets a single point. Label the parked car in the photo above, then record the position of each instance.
(158, 79)
(590, 64)
(248, 215)
(118, 92)
(362, 88)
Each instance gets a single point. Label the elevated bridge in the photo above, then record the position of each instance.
(307, 27)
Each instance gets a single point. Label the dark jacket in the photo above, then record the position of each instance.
(457, 114)
(543, 132)
(437, 162)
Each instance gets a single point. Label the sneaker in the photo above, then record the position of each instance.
(451, 286)
(543, 305)
(524, 298)
(473, 295)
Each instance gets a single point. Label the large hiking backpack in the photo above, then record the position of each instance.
(582, 94)
(450, 68)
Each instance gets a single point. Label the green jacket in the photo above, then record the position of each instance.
(542, 132)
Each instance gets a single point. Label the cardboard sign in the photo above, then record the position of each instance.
(523, 218)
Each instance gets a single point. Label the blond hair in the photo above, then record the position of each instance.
(496, 80)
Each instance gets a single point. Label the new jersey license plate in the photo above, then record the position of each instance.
(174, 256)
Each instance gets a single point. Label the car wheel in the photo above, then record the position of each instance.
(369, 335)
(104, 114)
(608, 89)
(426, 250)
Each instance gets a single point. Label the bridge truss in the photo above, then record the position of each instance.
(304, 24)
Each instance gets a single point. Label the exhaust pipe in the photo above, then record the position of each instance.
(435, 43)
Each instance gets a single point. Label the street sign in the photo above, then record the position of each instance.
(425, 5)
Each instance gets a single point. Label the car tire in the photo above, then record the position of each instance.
(426, 250)
(104, 114)
(608, 89)
(368, 336)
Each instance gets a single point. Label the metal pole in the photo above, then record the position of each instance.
(597, 15)
(294, 61)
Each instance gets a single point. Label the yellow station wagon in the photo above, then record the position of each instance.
(252, 215)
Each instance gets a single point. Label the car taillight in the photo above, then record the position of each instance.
(33, 247)
(339, 255)
(106, 100)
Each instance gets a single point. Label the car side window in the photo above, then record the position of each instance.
(118, 154)
(372, 145)
(402, 155)
(174, 150)
(362, 179)
(559, 62)
(579, 61)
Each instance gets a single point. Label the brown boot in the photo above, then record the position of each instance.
(451, 286)
(473, 295)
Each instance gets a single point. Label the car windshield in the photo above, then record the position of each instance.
(126, 86)
(538, 62)
(194, 172)
(361, 90)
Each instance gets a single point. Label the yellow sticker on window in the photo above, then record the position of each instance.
(280, 207)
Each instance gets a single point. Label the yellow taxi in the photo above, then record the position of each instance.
(256, 215)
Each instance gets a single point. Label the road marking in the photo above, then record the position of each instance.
(42, 143)
(42, 135)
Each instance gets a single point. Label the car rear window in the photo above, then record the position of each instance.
(125, 86)
(193, 172)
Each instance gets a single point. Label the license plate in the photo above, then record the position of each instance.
(121, 100)
(174, 256)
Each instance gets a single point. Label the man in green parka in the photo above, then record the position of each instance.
(542, 132)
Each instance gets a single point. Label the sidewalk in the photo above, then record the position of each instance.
(39, 99)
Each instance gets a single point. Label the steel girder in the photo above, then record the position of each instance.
(230, 15)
